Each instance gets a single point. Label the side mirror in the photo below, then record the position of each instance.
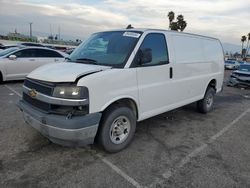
(145, 56)
(12, 57)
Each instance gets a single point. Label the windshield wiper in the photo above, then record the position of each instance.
(86, 60)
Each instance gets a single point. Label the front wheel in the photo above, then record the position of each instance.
(205, 105)
(117, 129)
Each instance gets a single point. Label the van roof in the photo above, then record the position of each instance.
(162, 30)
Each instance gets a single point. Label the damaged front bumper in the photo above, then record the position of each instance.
(75, 131)
(238, 81)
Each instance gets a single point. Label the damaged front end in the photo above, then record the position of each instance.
(59, 111)
(239, 78)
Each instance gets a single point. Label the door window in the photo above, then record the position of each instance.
(156, 43)
(47, 53)
(25, 53)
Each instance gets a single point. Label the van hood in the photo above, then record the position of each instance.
(64, 72)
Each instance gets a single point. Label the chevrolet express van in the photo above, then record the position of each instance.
(115, 79)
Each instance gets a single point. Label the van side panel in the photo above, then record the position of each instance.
(195, 60)
(214, 54)
(196, 64)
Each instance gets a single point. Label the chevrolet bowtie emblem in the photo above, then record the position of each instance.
(32, 93)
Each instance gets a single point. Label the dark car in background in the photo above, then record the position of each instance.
(31, 44)
(240, 76)
(3, 47)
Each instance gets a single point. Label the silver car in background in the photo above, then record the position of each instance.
(16, 63)
(231, 64)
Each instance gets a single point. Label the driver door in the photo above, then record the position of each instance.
(154, 77)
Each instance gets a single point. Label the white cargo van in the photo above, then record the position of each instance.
(117, 78)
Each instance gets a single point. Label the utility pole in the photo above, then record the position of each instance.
(30, 29)
(59, 32)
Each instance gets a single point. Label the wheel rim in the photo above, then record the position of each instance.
(120, 129)
(209, 100)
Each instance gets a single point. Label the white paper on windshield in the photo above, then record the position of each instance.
(131, 34)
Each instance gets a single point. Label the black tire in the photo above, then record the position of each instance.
(205, 105)
(1, 78)
(114, 120)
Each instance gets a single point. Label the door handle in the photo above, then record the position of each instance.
(170, 72)
(32, 59)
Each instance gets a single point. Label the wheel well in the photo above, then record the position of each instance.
(125, 102)
(212, 84)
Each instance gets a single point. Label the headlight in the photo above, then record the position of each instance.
(70, 92)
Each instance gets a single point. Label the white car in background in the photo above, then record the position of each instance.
(231, 64)
(16, 63)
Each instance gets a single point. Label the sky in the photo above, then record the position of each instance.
(227, 20)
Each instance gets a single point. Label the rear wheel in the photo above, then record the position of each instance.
(117, 129)
(205, 105)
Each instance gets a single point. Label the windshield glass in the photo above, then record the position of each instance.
(245, 68)
(7, 51)
(106, 48)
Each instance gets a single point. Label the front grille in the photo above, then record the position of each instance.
(44, 88)
(55, 109)
(36, 103)
(240, 74)
(47, 89)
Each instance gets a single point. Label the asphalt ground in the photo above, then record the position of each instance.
(180, 148)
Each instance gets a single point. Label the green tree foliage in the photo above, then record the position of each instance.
(129, 27)
(248, 46)
(171, 18)
(179, 25)
(243, 39)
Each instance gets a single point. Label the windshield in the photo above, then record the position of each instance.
(106, 48)
(245, 68)
(7, 51)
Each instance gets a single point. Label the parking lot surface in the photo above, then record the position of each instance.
(180, 148)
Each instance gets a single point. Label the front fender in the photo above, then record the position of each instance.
(119, 98)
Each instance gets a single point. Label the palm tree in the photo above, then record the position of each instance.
(174, 26)
(180, 24)
(183, 25)
(129, 27)
(248, 39)
(243, 39)
(180, 18)
(170, 17)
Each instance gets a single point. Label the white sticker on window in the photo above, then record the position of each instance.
(131, 34)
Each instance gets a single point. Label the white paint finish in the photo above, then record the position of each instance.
(187, 48)
(109, 86)
(18, 68)
(65, 72)
(155, 89)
